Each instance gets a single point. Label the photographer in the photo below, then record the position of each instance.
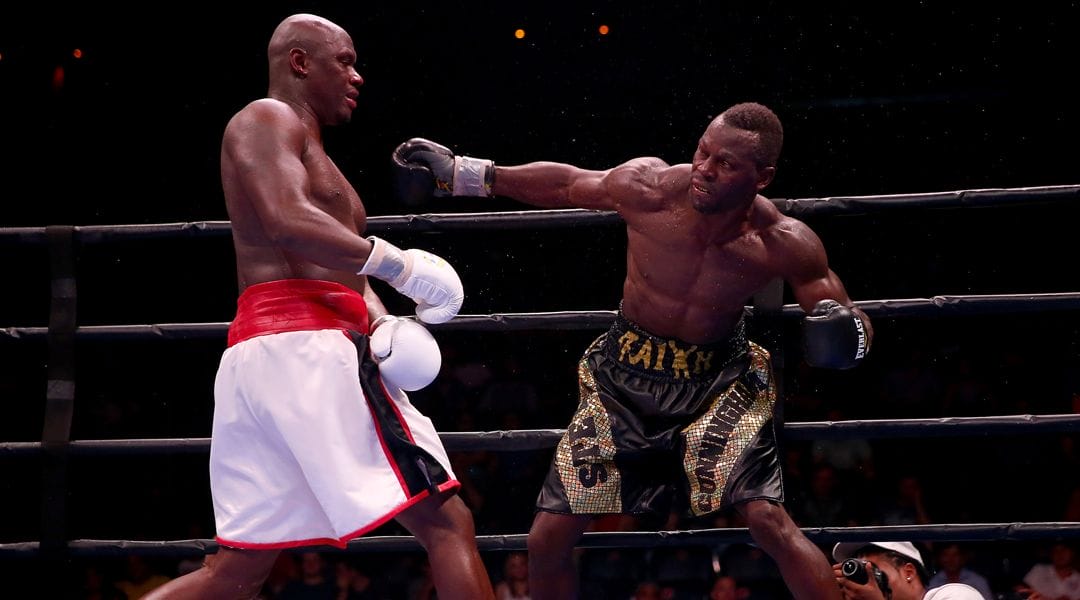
(890, 571)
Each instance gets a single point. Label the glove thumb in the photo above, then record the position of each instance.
(381, 341)
(415, 359)
(413, 182)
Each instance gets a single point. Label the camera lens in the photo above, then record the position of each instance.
(855, 570)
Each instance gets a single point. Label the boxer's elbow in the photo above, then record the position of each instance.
(289, 229)
(282, 234)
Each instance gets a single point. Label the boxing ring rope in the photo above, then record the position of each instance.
(62, 330)
(599, 539)
(560, 218)
(542, 439)
(600, 319)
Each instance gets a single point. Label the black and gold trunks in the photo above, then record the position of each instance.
(659, 417)
(631, 346)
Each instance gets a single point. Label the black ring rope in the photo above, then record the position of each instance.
(539, 439)
(959, 532)
(550, 219)
(599, 319)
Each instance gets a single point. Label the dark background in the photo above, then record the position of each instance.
(881, 99)
(897, 99)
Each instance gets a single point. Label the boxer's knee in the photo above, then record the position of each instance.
(552, 538)
(439, 518)
(768, 522)
(239, 573)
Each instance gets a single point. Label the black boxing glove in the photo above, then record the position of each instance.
(423, 168)
(834, 337)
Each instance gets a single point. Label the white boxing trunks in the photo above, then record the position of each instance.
(308, 445)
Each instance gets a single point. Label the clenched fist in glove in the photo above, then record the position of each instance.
(429, 280)
(834, 337)
(408, 356)
(423, 168)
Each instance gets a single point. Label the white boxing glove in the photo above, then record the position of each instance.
(428, 279)
(406, 352)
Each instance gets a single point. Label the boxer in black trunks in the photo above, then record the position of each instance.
(673, 397)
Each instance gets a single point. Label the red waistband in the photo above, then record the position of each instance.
(297, 305)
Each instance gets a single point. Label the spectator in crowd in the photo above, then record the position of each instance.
(1057, 579)
(726, 587)
(515, 581)
(952, 562)
(906, 507)
(314, 582)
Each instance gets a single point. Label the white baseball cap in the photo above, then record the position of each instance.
(846, 550)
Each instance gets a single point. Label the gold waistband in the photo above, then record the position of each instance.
(630, 345)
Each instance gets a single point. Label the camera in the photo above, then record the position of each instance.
(859, 571)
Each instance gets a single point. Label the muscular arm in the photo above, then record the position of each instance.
(262, 150)
(559, 185)
(806, 269)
